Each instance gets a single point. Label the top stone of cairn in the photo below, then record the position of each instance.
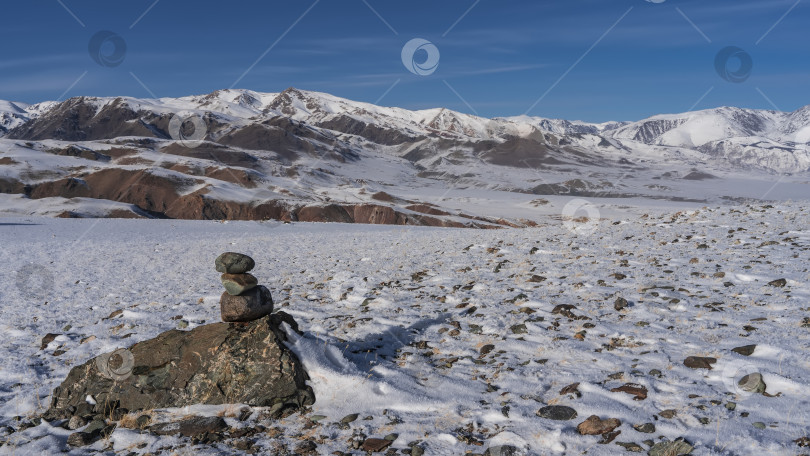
(234, 263)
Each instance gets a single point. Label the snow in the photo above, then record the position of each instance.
(367, 296)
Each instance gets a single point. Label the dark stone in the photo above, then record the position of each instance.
(194, 426)
(699, 362)
(503, 450)
(306, 448)
(668, 414)
(236, 284)
(375, 445)
(620, 303)
(557, 412)
(80, 439)
(778, 283)
(47, 340)
(745, 350)
(218, 363)
(250, 306)
(234, 263)
(646, 428)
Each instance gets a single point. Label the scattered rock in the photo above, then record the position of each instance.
(76, 422)
(375, 445)
(572, 389)
(537, 279)
(245, 364)
(557, 412)
(234, 263)
(676, 447)
(349, 418)
(501, 450)
(594, 425)
(80, 439)
(745, 350)
(306, 448)
(639, 391)
(519, 329)
(668, 414)
(646, 428)
(802, 441)
(620, 303)
(608, 437)
(778, 283)
(759, 425)
(486, 349)
(699, 362)
(143, 421)
(50, 337)
(189, 427)
(630, 446)
(237, 284)
(752, 383)
(250, 306)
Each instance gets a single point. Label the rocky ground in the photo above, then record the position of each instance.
(661, 334)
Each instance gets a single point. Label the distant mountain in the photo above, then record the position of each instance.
(302, 155)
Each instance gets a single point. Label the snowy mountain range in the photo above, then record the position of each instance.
(300, 155)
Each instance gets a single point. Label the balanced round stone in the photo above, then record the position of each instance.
(237, 284)
(234, 263)
(252, 305)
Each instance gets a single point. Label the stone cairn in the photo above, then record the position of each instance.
(244, 299)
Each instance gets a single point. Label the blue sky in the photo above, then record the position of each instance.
(593, 60)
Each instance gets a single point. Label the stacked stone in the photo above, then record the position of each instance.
(244, 299)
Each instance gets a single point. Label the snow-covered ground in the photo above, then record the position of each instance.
(447, 338)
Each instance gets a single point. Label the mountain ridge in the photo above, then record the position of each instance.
(305, 155)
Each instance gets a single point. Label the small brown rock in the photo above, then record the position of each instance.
(375, 445)
(639, 391)
(699, 362)
(594, 425)
(571, 389)
(47, 340)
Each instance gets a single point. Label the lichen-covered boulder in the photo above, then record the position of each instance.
(219, 363)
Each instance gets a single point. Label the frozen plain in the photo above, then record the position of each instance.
(395, 320)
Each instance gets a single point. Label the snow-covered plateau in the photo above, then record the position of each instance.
(446, 341)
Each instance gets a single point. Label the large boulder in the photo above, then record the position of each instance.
(219, 363)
